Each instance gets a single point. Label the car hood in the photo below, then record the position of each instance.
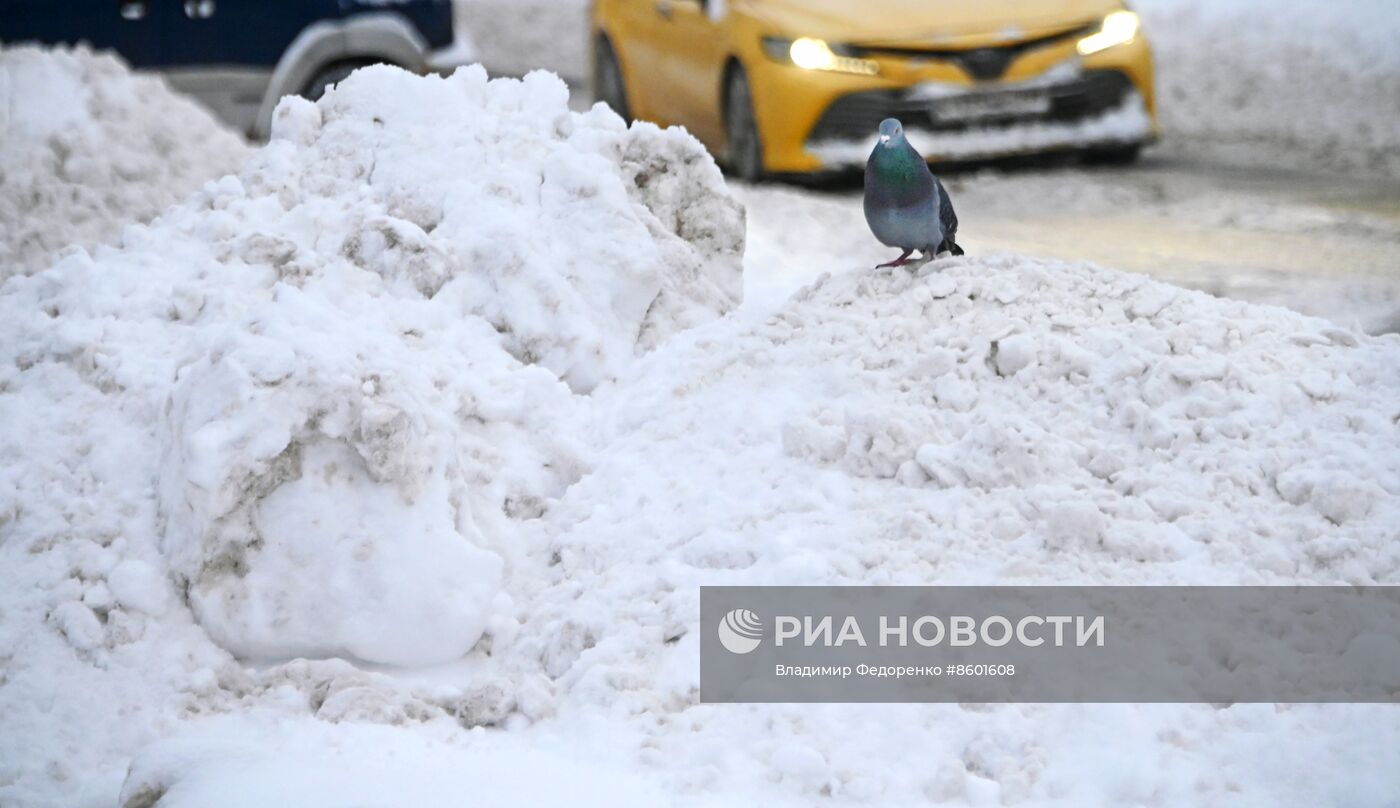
(928, 23)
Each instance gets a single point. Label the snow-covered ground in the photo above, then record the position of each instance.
(1303, 83)
(514, 37)
(87, 148)
(386, 470)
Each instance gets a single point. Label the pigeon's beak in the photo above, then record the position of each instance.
(884, 138)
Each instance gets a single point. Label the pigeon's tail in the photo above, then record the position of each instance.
(951, 246)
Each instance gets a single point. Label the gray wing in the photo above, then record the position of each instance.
(946, 215)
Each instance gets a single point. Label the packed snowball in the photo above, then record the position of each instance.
(89, 147)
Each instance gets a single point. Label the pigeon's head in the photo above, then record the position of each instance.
(890, 129)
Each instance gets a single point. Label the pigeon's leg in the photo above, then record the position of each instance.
(900, 261)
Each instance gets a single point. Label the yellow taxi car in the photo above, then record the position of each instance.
(800, 86)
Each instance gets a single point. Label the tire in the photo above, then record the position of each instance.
(329, 76)
(608, 83)
(745, 147)
(1114, 155)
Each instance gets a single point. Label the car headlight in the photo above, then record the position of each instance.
(1119, 28)
(815, 54)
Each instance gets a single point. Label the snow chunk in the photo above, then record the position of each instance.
(79, 625)
(140, 586)
(90, 147)
(1075, 524)
(1014, 353)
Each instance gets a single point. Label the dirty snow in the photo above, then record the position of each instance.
(89, 147)
(446, 393)
(988, 420)
(1004, 420)
(309, 405)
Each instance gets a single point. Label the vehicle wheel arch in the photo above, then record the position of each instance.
(370, 38)
(602, 42)
(342, 66)
(601, 39)
(731, 65)
(752, 168)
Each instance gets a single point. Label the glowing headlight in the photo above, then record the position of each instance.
(1119, 28)
(814, 54)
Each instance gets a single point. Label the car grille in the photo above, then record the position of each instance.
(982, 64)
(858, 115)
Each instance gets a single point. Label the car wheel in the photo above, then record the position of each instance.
(741, 127)
(1114, 155)
(607, 79)
(328, 77)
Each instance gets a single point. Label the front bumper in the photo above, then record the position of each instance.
(812, 121)
(1095, 109)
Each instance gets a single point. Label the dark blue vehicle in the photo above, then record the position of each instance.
(240, 56)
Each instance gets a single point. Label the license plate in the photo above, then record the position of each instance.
(977, 107)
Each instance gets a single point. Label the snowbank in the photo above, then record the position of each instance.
(89, 148)
(1268, 81)
(533, 247)
(352, 365)
(984, 420)
(980, 420)
(1009, 419)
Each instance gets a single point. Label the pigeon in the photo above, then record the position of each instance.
(906, 206)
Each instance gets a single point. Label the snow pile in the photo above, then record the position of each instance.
(1028, 420)
(979, 420)
(352, 365)
(1048, 420)
(1265, 80)
(442, 376)
(993, 420)
(490, 280)
(88, 148)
